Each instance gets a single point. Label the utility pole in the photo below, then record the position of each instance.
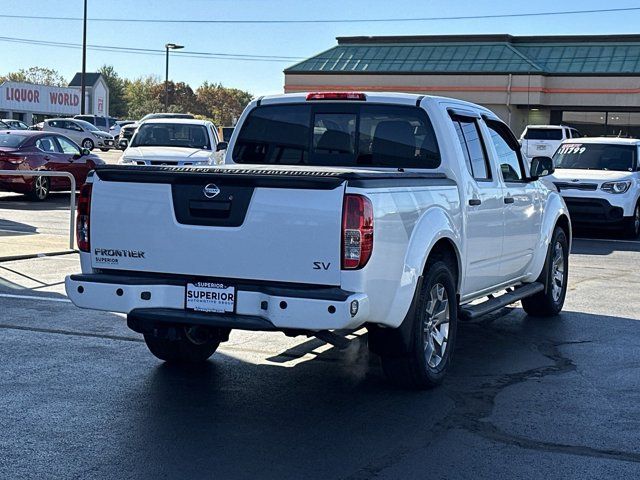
(83, 85)
(168, 46)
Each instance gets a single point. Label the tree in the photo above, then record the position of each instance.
(38, 75)
(139, 95)
(117, 102)
(182, 99)
(223, 105)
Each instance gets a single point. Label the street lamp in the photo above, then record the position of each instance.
(168, 46)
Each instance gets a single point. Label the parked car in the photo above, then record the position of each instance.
(544, 140)
(170, 141)
(117, 127)
(334, 211)
(103, 123)
(599, 179)
(46, 151)
(14, 124)
(81, 132)
(126, 134)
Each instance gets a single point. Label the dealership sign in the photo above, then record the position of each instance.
(27, 97)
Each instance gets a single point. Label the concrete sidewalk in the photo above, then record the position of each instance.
(19, 245)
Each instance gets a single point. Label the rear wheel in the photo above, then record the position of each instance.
(194, 345)
(40, 189)
(433, 333)
(88, 144)
(632, 225)
(555, 277)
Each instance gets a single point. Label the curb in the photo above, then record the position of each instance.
(11, 258)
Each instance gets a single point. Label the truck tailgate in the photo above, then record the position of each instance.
(218, 226)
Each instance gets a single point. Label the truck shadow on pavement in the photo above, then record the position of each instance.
(56, 201)
(514, 384)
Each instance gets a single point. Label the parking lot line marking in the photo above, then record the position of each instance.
(34, 297)
(72, 334)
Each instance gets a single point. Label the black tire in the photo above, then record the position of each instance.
(40, 189)
(185, 349)
(88, 144)
(550, 301)
(632, 225)
(421, 367)
(104, 149)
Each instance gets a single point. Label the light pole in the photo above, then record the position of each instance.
(83, 85)
(168, 46)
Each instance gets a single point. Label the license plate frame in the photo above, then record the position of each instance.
(203, 297)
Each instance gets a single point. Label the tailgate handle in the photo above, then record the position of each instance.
(209, 209)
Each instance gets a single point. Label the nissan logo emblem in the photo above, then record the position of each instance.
(211, 190)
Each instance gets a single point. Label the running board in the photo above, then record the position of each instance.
(471, 312)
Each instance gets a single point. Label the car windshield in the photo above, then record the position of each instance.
(87, 125)
(596, 156)
(543, 134)
(171, 135)
(12, 140)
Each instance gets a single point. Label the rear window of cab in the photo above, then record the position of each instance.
(338, 134)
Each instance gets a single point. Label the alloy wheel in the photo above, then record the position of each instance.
(41, 188)
(436, 326)
(557, 272)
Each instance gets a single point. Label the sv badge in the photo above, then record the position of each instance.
(321, 266)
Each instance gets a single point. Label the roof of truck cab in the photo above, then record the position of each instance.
(607, 140)
(399, 98)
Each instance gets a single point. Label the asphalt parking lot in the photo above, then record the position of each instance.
(81, 397)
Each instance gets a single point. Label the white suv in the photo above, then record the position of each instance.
(544, 140)
(600, 181)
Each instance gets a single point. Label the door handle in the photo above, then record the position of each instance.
(508, 200)
(474, 202)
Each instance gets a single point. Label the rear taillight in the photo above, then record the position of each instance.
(337, 96)
(8, 157)
(357, 231)
(83, 219)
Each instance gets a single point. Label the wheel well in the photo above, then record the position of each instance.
(563, 222)
(445, 249)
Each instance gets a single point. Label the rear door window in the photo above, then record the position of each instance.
(473, 147)
(338, 134)
(48, 145)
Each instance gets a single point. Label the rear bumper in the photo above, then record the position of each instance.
(594, 211)
(259, 307)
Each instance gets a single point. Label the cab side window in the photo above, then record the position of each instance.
(67, 146)
(473, 147)
(509, 157)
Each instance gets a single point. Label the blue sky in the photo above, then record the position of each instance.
(266, 39)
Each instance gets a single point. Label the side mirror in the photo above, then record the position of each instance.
(221, 146)
(123, 143)
(541, 167)
(84, 152)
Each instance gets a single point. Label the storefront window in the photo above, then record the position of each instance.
(611, 124)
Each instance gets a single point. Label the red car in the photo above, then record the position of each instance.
(40, 150)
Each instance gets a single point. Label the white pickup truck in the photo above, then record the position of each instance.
(334, 211)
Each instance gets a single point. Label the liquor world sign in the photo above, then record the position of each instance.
(27, 97)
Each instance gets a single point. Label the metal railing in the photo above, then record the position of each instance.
(72, 196)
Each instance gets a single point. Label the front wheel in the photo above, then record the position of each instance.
(433, 333)
(40, 189)
(632, 225)
(104, 149)
(88, 144)
(555, 277)
(195, 345)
